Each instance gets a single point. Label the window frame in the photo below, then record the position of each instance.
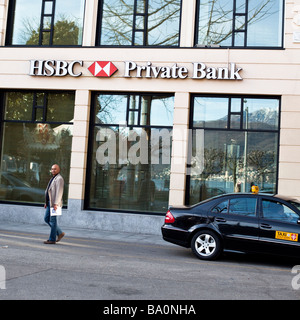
(228, 129)
(93, 124)
(232, 46)
(242, 214)
(233, 214)
(134, 29)
(3, 121)
(283, 204)
(10, 24)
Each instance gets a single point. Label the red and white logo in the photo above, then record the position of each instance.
(102, 68)
(294, 236)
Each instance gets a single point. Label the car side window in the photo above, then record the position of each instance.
(221, 207)
(245, 206)
(275, 210)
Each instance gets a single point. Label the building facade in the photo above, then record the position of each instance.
(146, 104)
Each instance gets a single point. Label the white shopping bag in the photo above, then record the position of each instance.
(54, 212)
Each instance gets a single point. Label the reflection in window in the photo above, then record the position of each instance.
(130, 162)
(227, 156)
(30, 145)
(260, 114)
(242, 23)
(210, 112)
(246, 113)
(140, 23)
(57, 22)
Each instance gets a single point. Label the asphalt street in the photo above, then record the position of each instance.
(102, 265)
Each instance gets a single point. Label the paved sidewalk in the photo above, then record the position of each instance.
(84, 233)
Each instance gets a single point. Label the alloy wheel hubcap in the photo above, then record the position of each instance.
(205, 245)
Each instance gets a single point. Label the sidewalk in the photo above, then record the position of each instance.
(84, 233)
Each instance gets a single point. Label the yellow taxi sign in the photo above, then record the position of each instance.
(286, 236)
(254, 189)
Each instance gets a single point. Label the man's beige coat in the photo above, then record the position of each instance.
(56, 191)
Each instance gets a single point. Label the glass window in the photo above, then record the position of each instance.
(221, 207)
(139, 22)
(243, 23)
(157, 110)
(45, 23)
(110, 109)
(60, 107)
(210, 112)
(243, 206)
(30, 145)
(260, 114)
(18, 106)
(226, 159)
(130, 162)
(278, 211)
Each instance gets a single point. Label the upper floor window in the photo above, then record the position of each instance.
(139, 23)
(240, 23)
(45, 22)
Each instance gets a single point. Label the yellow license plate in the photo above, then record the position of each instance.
(286, 236)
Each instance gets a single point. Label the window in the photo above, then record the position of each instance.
(242, 206)
(45, 22)
(139, 22)
(240, 23)
(221, 207)
(130, 152)
(278, 211)
(36, 133)
(234, 143)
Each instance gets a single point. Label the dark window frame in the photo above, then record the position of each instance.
(10, 24)
(245, 46)
(93, 124)
(32, 121)
(35, 106)
(134, 29)
(228, 129)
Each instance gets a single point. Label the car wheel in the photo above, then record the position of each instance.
(206, 245)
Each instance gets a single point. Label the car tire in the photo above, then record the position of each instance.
(206, 245)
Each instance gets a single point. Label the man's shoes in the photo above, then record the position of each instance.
(60, 236)
(49, 242)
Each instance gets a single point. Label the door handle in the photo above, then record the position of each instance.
(220, 220)
(265, 226)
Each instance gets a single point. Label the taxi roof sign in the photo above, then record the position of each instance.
(254, 189)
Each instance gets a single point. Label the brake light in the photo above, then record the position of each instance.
(169, 217)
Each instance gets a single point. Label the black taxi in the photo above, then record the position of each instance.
(247, 222)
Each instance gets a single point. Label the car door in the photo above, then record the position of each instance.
(237, 220)
(279, 229)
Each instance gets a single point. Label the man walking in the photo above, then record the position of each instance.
(53, 194)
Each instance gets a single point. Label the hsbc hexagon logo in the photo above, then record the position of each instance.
(102, 69)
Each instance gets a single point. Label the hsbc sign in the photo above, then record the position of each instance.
(61, 68)
(199, 70)
(57, 68)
